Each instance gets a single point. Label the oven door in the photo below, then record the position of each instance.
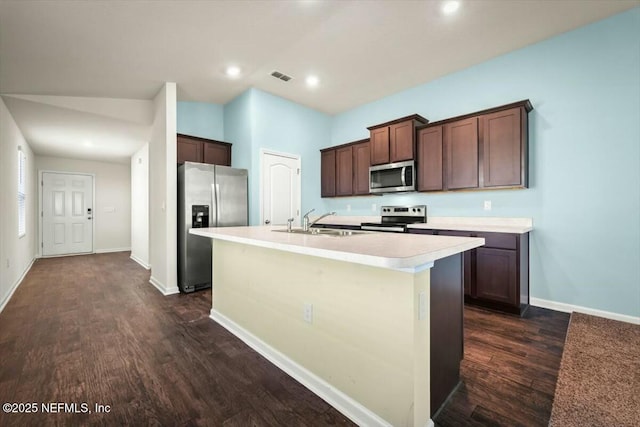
(392, 178)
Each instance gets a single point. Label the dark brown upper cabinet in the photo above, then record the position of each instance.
(394, 141)
(379, 146)
(217, 153)
(361, 163)
(429, 161)
(203, 150)
(504, 145)
(328, 173)
(189, 150)
(461, 146)
(482, 150)
(344, 171)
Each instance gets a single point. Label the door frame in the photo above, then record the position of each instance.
(40, 209)
(295, 157)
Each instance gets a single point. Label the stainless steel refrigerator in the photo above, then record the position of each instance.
(208, 196)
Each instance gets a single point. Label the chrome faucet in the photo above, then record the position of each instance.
(289, 222)
(305, 219)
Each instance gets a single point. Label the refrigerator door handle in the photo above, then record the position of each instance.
(213, 220)
(217, 202)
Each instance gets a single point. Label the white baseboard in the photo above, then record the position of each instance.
(139, 261)
(568, 308)
(162, 288)
(6, 299)
(109, 250)
(340, 401)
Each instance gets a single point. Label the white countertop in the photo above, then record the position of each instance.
(481, 224)
(405, 252)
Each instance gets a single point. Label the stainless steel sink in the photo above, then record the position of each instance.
(330, 232)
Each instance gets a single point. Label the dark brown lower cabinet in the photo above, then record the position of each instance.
(496, 275)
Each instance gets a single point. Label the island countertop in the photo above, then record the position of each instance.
(405, 252)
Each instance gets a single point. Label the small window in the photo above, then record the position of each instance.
(21, 194)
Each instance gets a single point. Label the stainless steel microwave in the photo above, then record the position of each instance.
(392, 177)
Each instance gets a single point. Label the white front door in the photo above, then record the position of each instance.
(67, 213)
(280, 188)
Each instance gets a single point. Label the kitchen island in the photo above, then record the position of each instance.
(357, 319)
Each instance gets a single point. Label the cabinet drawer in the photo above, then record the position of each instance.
(499, 240)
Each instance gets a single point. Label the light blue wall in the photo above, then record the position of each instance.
(287, 127)
(238, 129)
(201, 119)
(258, 120)
(584, 153)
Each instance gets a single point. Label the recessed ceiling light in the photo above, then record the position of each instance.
(451, 6)
(312, 81)
(233, 71)
(87, 143)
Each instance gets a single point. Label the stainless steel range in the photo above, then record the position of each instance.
(396, 218)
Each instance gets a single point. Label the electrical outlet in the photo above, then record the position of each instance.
(374, 207)
(307, 313)
(348, 208)
(487, 205)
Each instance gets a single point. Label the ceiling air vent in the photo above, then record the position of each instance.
(281, 76)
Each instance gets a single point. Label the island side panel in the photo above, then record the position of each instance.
(447, 338)
(365, 338)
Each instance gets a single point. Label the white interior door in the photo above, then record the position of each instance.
(67, 213)
(280, 188)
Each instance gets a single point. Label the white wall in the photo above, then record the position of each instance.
(16, 254)
(163, 209)
(113, 192)
(140, 206)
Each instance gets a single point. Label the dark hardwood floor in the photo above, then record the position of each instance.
(509, 369)
(91, 329)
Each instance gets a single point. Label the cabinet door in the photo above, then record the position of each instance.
(189, 150)
(467, 278)
(461, 139)
(401, 141)
(380, 146)
(496, 275)
(344, 171)
(328, 173)
(217, 154)
(361, 162)
(502, 148)
(430, 159)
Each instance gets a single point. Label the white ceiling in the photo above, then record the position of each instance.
(360, 50)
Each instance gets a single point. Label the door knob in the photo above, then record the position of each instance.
(267, 222)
